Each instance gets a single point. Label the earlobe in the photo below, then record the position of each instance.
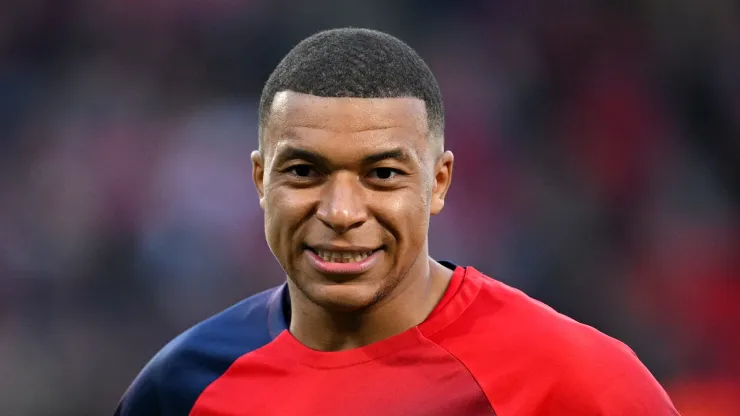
(442, 181)
(258, 175)
(437, 205)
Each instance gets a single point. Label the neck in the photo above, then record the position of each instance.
(406, 306)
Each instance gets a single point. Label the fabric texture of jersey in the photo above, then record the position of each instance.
(486, 349)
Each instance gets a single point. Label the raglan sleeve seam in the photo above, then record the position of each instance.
(467, 369)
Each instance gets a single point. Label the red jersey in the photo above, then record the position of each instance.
(486, 349)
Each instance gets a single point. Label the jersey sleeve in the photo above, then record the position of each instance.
(636, 393)
(142, 397)
(175, 377)
(617, 384)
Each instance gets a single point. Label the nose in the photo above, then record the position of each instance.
(342, 205)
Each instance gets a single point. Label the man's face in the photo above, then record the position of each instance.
(348, 186)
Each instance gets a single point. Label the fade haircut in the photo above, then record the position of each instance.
(358, 63)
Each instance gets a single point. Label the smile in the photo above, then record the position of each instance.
(351, 261)
(343, 257)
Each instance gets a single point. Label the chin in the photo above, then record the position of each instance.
(348, 297)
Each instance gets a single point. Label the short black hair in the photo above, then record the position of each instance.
(359, 63)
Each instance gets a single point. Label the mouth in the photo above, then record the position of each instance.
(342, 256)
(353, 260)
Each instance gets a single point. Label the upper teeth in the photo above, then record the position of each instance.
(343, 256)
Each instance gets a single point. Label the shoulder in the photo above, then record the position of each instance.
(171, 381)
(505, 310)
(573, 364)
(499, 318)
(548, 333)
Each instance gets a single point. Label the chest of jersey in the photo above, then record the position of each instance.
(424, 380)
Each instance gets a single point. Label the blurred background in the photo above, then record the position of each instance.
(598, 169)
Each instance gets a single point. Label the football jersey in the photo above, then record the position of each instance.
(486, 349)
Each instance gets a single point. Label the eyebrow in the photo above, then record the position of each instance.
(394, 154)
(292, 153)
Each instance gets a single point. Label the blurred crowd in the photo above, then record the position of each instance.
(597, 150)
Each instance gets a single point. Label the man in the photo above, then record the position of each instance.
(350, 168)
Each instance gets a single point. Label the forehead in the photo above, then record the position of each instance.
(361, 121)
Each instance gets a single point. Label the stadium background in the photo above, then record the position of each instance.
(598, 159)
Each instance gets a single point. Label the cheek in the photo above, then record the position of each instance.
(408, 213)
(284, 212)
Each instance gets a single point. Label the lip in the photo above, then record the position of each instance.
(341, 249)
(332, 268)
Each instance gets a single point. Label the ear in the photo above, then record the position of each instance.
(258, 175)
(442, 181)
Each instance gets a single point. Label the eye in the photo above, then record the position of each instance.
(384, 173)
(302, 171)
